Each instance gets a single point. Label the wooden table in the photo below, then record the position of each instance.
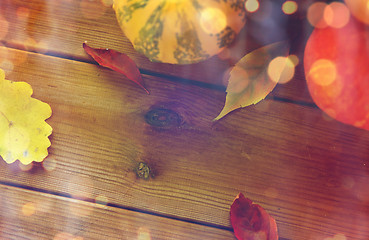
(310, 172)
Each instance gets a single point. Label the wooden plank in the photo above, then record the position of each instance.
(60, 27)
(33, 215)
(308, 171)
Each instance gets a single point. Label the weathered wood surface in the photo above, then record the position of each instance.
(59, 28)
(33, 215)
(308, 171)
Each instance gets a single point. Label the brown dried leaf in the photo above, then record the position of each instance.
(249, 82)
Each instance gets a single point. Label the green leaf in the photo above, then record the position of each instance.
(249, 82)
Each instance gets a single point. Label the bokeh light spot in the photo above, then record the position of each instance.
(281, 70)
(336, 14)
(25, 168)
(28, 209)
(252, 5)
(336, 88)
(143, 234)
(338, 236)
(362, 192)
(315, 14)
(328, 14)
(19, 57)
(4, 52)
(240, 80)
(63, 236)
(7, 66)
(289, 7)
(323, 72)
(213, 20)
(294, 59)
(49, 164)
(102, 200)
(42, 46)
(107, 3)
(360, 123)
(348, 183)
(77, 238)
(30, 43)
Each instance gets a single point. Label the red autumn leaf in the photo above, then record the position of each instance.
(251, 222)
(116, 61)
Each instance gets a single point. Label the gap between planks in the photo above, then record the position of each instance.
(168, 77)
(117, 206)
(114, 205)
(54, 214)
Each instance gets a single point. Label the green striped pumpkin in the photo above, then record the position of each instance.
(180, 31)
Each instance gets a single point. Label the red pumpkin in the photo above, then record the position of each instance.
(336, 65)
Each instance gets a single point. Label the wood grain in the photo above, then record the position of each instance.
(308, 171)
(59, 28)
(27, 214)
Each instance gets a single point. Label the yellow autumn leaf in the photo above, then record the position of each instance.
(249, 81)
(23, 130)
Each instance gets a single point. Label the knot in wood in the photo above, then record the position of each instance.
(163, 118)
(143, 170)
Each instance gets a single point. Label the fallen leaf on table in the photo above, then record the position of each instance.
(23, 130)
(251, 222)
(116, 61)
(249, 82)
